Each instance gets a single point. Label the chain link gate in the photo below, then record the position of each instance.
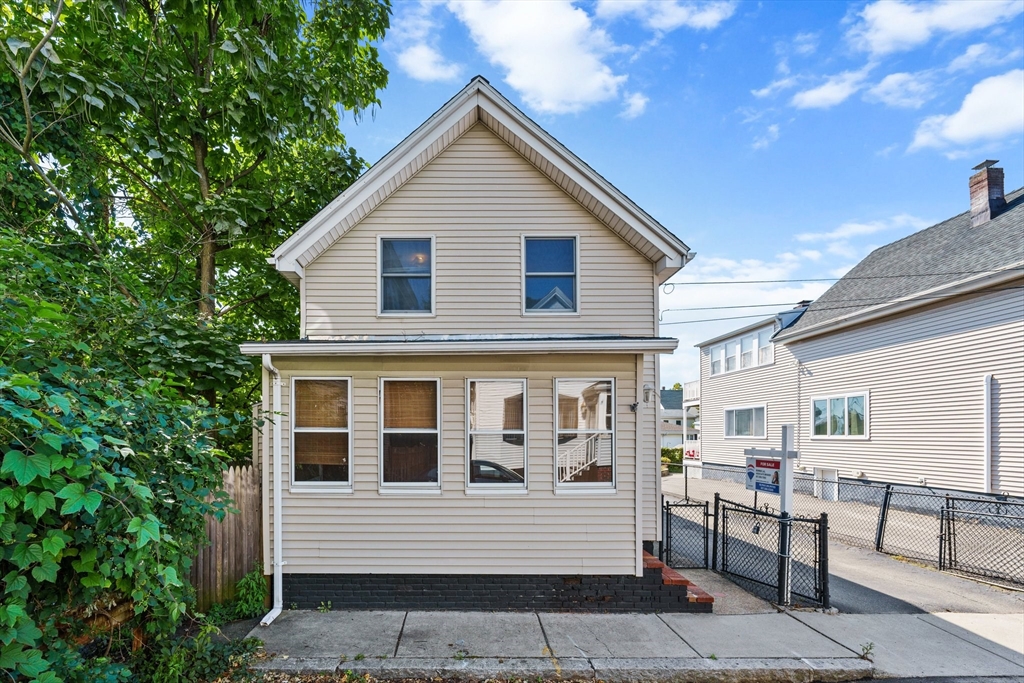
(686, 534)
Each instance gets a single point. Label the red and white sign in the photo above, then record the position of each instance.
(763, 475)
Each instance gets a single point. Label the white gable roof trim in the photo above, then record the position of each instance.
(479, 102)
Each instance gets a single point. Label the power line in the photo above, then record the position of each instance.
(834, 279)
(823, 308)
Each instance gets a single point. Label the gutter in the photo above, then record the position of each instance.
(328, 348)
(1008, 274)
(276, 455)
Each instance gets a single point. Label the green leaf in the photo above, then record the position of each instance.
(93, 100)
(53, 545)
(26, 394)
(227, 46)
(89, 444)
(14, 44)
(147, 530)
(25, 468)
(54, 441)
(76, 498)
(25, 554)
(39, 503)
(45, 572)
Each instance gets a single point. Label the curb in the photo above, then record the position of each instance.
(615, 670)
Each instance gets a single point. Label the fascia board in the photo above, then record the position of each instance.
(735, 333)
(935, 295)
(286, 256)
(574, 168)
(662, 345)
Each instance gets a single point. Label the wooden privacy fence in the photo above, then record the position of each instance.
(235, 544)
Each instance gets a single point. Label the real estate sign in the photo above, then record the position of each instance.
(763, 475)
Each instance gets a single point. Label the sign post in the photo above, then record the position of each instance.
(771, 471)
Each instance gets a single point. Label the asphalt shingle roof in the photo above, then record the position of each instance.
(940, 255)
(672, 399)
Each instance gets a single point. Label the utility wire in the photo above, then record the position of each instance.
(827, 308)
(834, 279)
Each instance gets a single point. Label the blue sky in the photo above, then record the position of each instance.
(779, 140)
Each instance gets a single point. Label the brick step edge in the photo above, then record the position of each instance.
(670, 577)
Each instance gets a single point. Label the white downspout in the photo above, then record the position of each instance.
(276, 455)
(987, 431)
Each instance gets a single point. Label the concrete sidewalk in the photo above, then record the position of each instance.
(789, 646)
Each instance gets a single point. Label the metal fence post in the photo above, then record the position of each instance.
(785, 531)
(686, 480)
(823, 559)
(714, 537)
(883, 513)
(664, 530)
(705, 534)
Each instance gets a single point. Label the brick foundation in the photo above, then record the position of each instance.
(652, 592)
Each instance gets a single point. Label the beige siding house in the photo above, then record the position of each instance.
(473, 393)
(908, 370)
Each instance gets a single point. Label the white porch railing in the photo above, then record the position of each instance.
(578, 458)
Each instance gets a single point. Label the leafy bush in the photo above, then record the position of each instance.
(197, 659)
(106, 466)
(672, 455)
(250, 594)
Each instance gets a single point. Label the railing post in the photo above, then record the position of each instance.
(686, 479)
(714, 537)
(883, 513)
(785, 531)
(823, 560)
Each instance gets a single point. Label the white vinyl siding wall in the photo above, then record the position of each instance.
(478, 198)
(542, 532)
(772, 386)
(925, 372)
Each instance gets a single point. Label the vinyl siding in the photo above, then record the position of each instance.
(542, 532)
(477, 198)
(651, 470)
(925, 373)
(770, 385)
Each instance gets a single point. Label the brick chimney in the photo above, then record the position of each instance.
(987, 198)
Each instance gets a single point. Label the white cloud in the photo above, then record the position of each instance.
(414, 35)
(635, 104)
(424, 63)
(770, 136)
(775, 86)
(904, 90)
(668, 15)
(889, 26)
(835, 90)
(994, 109)
(854, 229)
(551, 51)
(805, 43)
(982, 54)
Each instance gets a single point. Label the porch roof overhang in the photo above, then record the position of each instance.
(464, 344)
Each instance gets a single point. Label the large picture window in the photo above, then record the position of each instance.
(840, 416)
(409, 433)
(746, 421)
(320, 432)
(585, 434)
(549, 274)
(497, 434)
(406, 275)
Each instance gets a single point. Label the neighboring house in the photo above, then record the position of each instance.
(473, 391)
(909, 369)
(680, 412)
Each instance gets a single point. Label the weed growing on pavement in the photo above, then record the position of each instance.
(866, 649)
(324, 607)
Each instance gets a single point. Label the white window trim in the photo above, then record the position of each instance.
(381, 313)
(755, 351)
(504, 489)
(317, 486)
(410, 487)
(586, 487)
(846, 425)
(746, 407)
(522, 275)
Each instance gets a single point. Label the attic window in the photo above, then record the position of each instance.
(406, 276)
(549, 275)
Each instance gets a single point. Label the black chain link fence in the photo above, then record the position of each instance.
(686, 534)
(972, 533)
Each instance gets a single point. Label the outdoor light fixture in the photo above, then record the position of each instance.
(648, 389)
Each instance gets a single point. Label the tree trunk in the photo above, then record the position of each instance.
(207, 272)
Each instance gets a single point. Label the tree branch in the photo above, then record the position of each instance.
(243, 302)
(260, 158)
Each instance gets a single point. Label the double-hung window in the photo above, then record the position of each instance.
(406, 275)
(549, 275)
(321, 439)
(585, 433)
(410, 417)
(747, 421)
(840, 416)
(497, 434)
(748, 351)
